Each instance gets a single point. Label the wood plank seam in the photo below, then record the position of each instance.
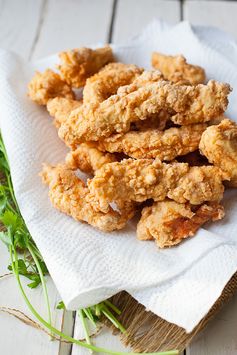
(181, 2)
(111, 27)
(73, 330)
(43, 11)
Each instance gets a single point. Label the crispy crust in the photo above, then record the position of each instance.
(88, 158)
(177, 70)
(219, 145)
(71, 196)
(47, 85)
(165, 145)
(60, 108)
(169, 222)
(142, 179)
(106, 82)
(79, 64)
(189, 105)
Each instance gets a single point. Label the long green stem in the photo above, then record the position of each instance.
(56, 331)
(46, 296)
(89, 315)
(9, 181)
(83, 321)
(10, 207)
(36, 251)
(112, 319)
(113, 307)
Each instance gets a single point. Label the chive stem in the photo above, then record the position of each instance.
(45, 291)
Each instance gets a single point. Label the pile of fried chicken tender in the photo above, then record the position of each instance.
(154, 142)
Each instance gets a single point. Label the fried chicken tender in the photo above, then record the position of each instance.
(70, 195)
(169, 222)
(177, 70)
(219, 145)
(200, 184)
(47, 85)
(139, 180)
(79, 64)
(60, 108)
(106, 82)
(88, 158)
(146, 78)
(165, 145)
(189, 105)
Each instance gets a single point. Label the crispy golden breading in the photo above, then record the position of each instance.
(146, 78)
(152, 224)
(47, 85)
(70, 195)
(79, 64)
(142, 179)
(60, 108)
(135, 180)
(219, 145)
(88, 158)
(169, 222)
(200, 184)
(176, 69)
(165, 145)
(188, 103)
(102, 85)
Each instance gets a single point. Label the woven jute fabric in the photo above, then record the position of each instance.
(146, 332)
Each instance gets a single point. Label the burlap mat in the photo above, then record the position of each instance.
(147, 332)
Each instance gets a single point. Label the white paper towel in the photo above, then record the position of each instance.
(179, 284)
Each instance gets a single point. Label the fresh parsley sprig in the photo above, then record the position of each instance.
(26, 260)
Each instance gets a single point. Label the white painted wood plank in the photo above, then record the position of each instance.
(133, 15)
(105, 339)
(15, 336)
(221, 14)
(67, 328)
(219, 337)
(19, 21)
(71, 24)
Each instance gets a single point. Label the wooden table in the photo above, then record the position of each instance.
(36, 28)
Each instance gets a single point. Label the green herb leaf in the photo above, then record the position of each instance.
(21, 239)
(21, 267)
(36, 281)
(24, 271)
(61, 305)
(11, 219)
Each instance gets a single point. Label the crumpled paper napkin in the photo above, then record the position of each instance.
(179, 284)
